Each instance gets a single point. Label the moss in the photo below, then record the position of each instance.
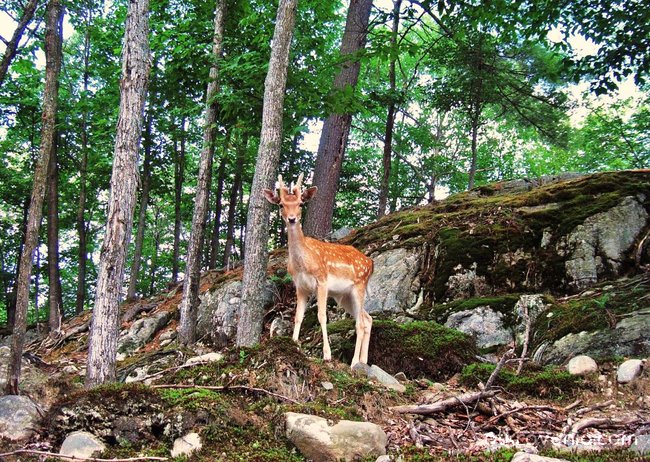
(415, 454)
(502, 304)
(419, 348)
(548, 382)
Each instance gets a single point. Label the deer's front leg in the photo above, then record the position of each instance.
(301, 304)
(322, 319)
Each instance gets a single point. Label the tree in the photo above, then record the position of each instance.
(48, 138)
(190, 301)
(336, 128)
(102, 340)
(256, 255)
(12, 44)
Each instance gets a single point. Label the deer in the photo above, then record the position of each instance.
(324, 268)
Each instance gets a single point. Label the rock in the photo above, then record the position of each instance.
(401, 376)
(70, 369)
(526, 457)
(137, 374)
(641, 445)
(599, 244)
(629, 370)
(361, 369)
(629, 338)
(346, 440)
(394, 285)
(82, 445)
(534, 304)
(340, 233)
(387, 380)
(167, 335)
(466, 283)
(18, 417)
(206, 358)
(185, 445)
(327, 385)
(384, 458)
(280, 327)
(582, 365)
(483, 323)
(141, 332)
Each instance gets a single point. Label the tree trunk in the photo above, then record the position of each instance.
(251, 311)
(55, 294)
(190, 301)
(50, 94)
(334, 138)
(216, 226)
(142, 216)
(390, 118)
(156, 248)
(232, 204)
(472, 168)
(102, 340)
(12, 45)
(179, 173)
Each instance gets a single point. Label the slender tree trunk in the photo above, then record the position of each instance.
(142, 216)
(12, 45)
(35, 214)
(216, 225)
(472, 168)
(55, 294)
(102, 340)
(334, 138)
(232, 204)
(179, 173)
(156, 248)
(390, 118)
(251, 310)
(13, 295)
(190, 301)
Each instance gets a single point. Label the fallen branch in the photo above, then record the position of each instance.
(594, 407)
(495, 373)
(445, 404)
(496, 418)
(228, 387)
(89, 459)
(609, 422)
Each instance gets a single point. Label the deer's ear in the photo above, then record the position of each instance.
(309, 194)
(271, 196)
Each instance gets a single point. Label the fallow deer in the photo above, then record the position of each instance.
(335, 270)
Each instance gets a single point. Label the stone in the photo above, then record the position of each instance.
(599, 244)
(582, 365)
(387, 380)
(483, 323)
(629, 370)
(534, 304)
(327, 385)
(395, 283)
(384, 458)
(141, 332)
(18, 417)
(280, 327)
(361, 369)
(526, 457)
(137, 374)
(185, 445)
(82, 445)
(401, 376)
(340, 233)
(318, 440)
(206, 358)
(466, 283)
(641, 445)
(70, 369)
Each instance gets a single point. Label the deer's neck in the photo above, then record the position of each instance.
(296, 246)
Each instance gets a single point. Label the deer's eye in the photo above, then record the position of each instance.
(281, 205)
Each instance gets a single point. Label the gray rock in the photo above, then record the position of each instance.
(18, 417)
(485, 324)
(82, 445)
(340, 233)
(600, 243)
(327, 385)
(346, 440)
(641, 445)
(140, 332)
(361, 369)
(384, 458)
(185, 445)
(280, 327)
(206, 358)
(394, 285)
(526, 457)
(466, 283)
(582, 365)
(387, 380)
(534, 304)
(629, 370)
(629, 338)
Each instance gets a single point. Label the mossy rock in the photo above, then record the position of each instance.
(547, 382)
(500, 303)
(418, 348)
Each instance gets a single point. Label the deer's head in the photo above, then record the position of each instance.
(290, 200)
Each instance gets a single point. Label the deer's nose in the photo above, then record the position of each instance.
(292, 219)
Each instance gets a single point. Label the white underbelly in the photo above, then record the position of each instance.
(305, 281)
(336, 285)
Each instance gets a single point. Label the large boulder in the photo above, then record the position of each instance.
(82, 445)
(141, 332)
(482, 323)
(319, 441)
(18, 417)
(394, 285)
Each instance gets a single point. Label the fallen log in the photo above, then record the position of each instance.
(445, 404)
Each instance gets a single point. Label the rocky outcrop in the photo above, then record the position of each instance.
(394, 285)
(141, 332)
(482, 323)
(319, 441)
(82, 445)
(18, 417)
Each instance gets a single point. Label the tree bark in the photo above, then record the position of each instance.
(334, 138)
(142, 216)
(472, 168)
(390, 118)
(35, 214)
(179, 173)
(156, 248)
(232, 203)
(102, 340)
(190, 301)
(55, 296)
(251, 311)
(216, 226)
(12, 45)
